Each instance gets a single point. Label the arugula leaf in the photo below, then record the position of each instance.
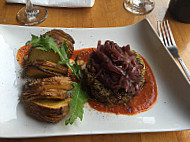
(34, 40)
(47, 43)
(76, 104)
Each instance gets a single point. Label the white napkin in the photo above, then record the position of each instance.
(58, 3)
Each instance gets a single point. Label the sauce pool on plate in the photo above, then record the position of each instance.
(142, 102)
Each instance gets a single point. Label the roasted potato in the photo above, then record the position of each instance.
(51, 111)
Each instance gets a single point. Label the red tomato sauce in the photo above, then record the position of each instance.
(23, 51)
(83, 54)
(142, 102)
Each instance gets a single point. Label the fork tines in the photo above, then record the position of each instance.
(165, 33)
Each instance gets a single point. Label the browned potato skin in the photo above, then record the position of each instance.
(37, 72)
(61, 95)
(49, 84)
(47, 99)
(59, 37)
(42, 68)
(47, 87)
(48, 112)
(47, 65)
(61, 80)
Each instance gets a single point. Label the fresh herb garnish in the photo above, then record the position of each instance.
(76, 104)
(47, 43)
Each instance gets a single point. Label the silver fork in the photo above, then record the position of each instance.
(167, 38)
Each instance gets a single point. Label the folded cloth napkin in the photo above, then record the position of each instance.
(58, 3)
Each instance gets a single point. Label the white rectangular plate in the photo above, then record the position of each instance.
(171, 112)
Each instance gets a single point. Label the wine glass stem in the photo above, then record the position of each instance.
(29, 5)
(30, 10)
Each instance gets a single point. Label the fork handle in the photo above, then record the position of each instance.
(184, 67)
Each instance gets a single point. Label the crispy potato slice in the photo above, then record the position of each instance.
(61, 94)
(52, 104)
(47, 65)
(47, 87)
(56, 80)
(36, 72)
(42, 68)
(36, 54)
(49, 84)
(51, 111)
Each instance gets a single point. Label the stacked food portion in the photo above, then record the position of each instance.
(115, 75)
(46, 94)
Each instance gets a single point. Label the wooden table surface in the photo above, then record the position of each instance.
(108, 13)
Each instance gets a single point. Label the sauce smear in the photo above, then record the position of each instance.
(21, 53)
(140, 103)
(83, 54)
